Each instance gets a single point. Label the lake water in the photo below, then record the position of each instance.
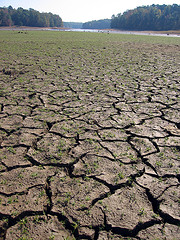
(116, 31)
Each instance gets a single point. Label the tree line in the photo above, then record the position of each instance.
(154, 17)
(97, 24)
(32, 18)
(72, 24)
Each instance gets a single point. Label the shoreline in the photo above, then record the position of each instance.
(177, 32)
(26, 28)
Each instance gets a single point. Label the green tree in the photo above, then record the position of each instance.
(154, 17)
(31, 17)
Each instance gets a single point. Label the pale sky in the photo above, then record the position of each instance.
(81, 10)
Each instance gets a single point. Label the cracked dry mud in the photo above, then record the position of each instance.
(89, 136)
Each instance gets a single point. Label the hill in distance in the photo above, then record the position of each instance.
(72, 25)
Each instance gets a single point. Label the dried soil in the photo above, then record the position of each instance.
(89, 136)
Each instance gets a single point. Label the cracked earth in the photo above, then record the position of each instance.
(89, 136)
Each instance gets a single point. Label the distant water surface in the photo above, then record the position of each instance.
(117, 31)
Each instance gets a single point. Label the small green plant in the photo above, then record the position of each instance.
(11, 150)
(24, 238)
(36, 219)
(155, 216)
(15, 213)
(42, 193)
(158, 163)
(67, 198)
(75, 226)
(20, 175)
(170, 164)
(142, 212)
(66, 238)
(23, 222)
(120, 175)
(52, 237)
(34, 174)
(148, 149)
(4, 182)
(9, 201)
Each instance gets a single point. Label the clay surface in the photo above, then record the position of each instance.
(89, 136)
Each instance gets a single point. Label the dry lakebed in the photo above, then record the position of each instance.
(89, 136)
